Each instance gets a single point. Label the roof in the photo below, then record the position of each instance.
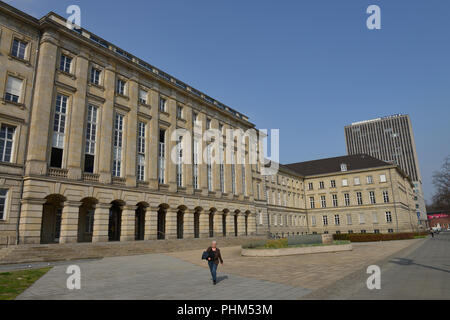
(332, 165)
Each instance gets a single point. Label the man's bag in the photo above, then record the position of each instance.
(205, 255)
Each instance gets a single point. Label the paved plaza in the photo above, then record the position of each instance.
(421, 265)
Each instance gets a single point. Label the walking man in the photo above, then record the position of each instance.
(214, 258)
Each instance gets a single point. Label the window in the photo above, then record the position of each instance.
(118, 144)
(120, 87)
(209, 167)
(141, 150)
(233, 177)
(313, 221)
(143, 96)
(357, 181)
(91, 137)
(312, 203)
(208, 124)
(350, 231)
(375, 217)
(19, 49)
(333, 183)
(359, 198)
(7, 134)
(222, 173)
(372, 197)
(349, 219)
(347, 199)
(321, 185)
(179, 112)
(337, 220)
(244, 183)
(363, 231)
(386, 196)
(376, 231)
(310, 186)
(59, 130)
(391, 231)
(323, 201)
(369, 180)
(95, 76)
(180, 162)
(162, 157)
(162, 104)
(89, 227)
(343, 167)
(195, 168)
(194, 118)
(344, 182)
(362, 218)
(13, 90)
(388, 217)
(258, 191)
(383, 178)
(335, 200)
(325, 220)
(3, 196)
(65, 63)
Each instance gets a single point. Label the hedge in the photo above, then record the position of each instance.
(372, 237)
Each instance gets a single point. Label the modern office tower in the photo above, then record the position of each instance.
(390, 139)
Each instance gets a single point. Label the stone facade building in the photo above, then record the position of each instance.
(86, 141)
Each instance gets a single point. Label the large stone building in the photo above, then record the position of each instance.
(86, 153)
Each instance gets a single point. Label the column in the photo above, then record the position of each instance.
(204, 224)
(188, 152)
(30, 221)
(151, 221)
(218, 226)
(241, 224)
(130, 154)
(230, 224)
(171, 145)
(42, 109)
(171, 223)
(106, 129)
(128, 223)
(78, 118)
(101, 222)
(202, 167)
(188, 229)
(69, 222)
(154, 141)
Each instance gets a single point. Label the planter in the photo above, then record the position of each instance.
(295, 251)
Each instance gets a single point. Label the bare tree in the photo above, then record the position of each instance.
(441, 181)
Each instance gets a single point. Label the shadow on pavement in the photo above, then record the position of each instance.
(410, 262)
(222, 278)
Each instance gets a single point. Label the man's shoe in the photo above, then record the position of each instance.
(214, 282)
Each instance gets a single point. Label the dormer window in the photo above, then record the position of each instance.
(343, 167)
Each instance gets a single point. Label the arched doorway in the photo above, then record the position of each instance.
(115, 221)
(197, 224)
(86, 218)
(162, 222)
(140, 222)
(180, 224)
(51, 219)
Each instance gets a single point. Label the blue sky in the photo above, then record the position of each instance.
(306, 67)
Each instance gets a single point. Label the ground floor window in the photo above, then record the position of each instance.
(3, 194)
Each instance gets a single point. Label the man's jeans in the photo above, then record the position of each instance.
(213, 269)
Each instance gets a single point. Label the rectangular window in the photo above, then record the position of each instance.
(3, 196)
(357, 181)
(7, 134)
(369, 180)
(363, 231)
(349, 219)
(19, 49)
(195, 167)
(337, 220)
(141, 150)
(383, 178)
(162, 104)
(244, 182)
(388, 217)
(313, 221)
(162, 157)
(95, 76)
(258, 191)
(375, 217)
(89, 227)
(312, 202)
(359, 198)
(323, 201)
(321, 185)
(222, 172)
(376, 231)
(180, 162)
(344, 182)
(118, 145)
(362, 218)
(347, 199)
(120, 89)
(333, 183)
(391, 231)
(209, 167)
(143, 96)
(233, 176)
(386, 196)
(350, 231)
(13, 90)
(59, 130)
(310, 186)
(325, 220)
(208, 124)
(372, 197)
(179, 112)
(65, 63)
(335, 200)
(91, 138)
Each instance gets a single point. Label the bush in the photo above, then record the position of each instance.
(254, 244)
(305, 239)
(371, 237)
(277, 244)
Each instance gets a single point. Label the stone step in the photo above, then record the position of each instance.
(81, 251)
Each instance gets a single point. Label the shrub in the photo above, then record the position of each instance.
(371, 237)
(277, 244)
(254, 244)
